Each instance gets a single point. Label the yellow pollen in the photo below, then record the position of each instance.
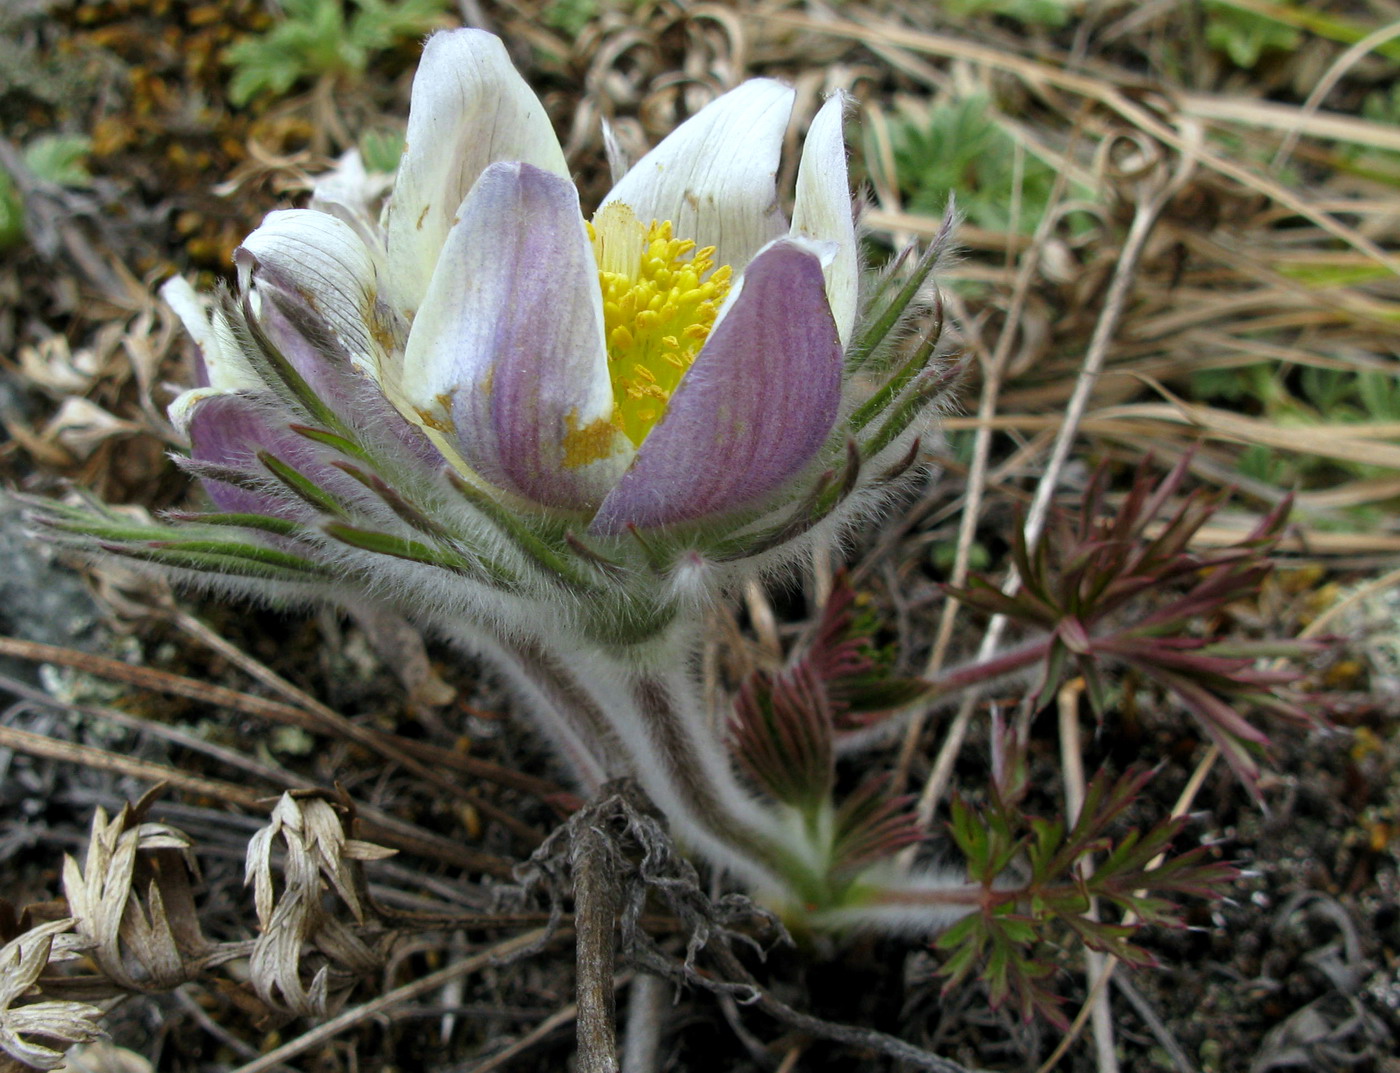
(660, 298)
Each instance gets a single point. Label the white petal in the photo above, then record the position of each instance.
(182, 407)
(352, 194)
(470, 108)
(823, 210)
(225, 367)
(320, 261)
(715, 176)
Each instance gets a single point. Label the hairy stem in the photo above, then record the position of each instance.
(642, 714)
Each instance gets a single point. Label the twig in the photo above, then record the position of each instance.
(868, 1038)
(229, 757)
(387, 1001)
(551, 1024)
(211, 1026)
(68, 752)
(993, 371)
(1356, 596)
(1144, 220)
(1180, 1060)
(1072, 764)
(595, 917)
(377, 826)
(1145, 216)
(758, 1051)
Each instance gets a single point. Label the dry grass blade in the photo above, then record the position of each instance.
(41, 745)
(407, 993)
(232, 758)
(377, 824)
(1273, 116)
(1039, 75)
(416, 756)
(1360, 444)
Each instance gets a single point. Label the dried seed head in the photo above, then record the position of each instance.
(318, 858)
(149, 942)
(30, 1032)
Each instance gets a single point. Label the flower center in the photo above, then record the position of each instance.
(660, 298)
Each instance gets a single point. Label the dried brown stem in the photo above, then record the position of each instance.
(595, 918)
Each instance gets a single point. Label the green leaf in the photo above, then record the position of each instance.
(261, 522)
(570, 16)
(381, 150)
(314, 40)
(229, 559)
(875, 329)
(1245, 36)
(1053, 13)
(554, 562)
(959, 147)
(12, 227)
(402, 548)
(60, 159)
(889, 391)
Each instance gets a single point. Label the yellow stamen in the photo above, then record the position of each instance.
(660, 299)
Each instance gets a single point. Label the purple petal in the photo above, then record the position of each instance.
(507, 351)
(752, 411)
(302, 338)
(228, 431)
(318, 267)
(316, 288)
(294, 327)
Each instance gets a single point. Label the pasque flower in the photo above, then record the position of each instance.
(677, 357)
(554, 437)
